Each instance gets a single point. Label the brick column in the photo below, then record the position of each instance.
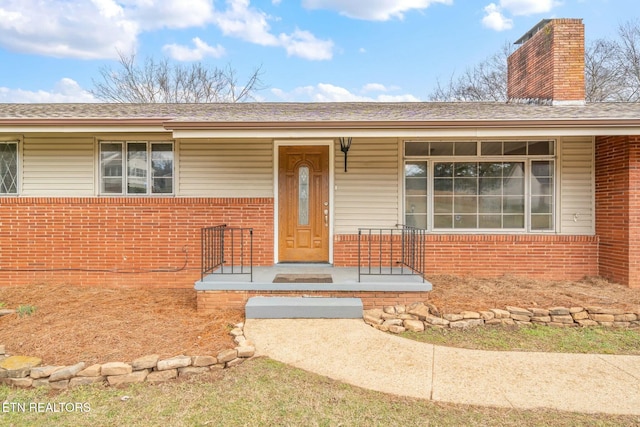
(618, 208)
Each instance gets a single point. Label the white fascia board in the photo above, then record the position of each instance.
(403, 133)
(81, 129)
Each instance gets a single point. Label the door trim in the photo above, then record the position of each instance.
(276, 161)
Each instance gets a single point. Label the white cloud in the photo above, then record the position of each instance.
(495, 20)
(372, 10)
(325, 92)
(247, 23)
(305, 45)
(154, 14)
(98, 29)
(66, 90)
(374, 87)
(68, 28)
(528, 7)
(200, 51)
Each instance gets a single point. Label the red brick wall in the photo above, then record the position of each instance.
(618, 208)
(62, 237)
(550, 65)
(539, 256)
(211, 301)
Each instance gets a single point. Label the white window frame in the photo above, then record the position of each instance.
(478, 158)
(18, 169)
(125, 168)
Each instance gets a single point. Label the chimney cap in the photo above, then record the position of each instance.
(540, 25)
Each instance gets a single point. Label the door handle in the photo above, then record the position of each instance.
(326, 217)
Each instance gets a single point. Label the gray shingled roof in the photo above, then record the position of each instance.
(319, 112)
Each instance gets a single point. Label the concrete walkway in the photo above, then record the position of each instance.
(350, 351)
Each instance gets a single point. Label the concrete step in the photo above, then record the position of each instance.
(303, 308)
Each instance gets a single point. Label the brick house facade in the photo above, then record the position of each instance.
(544, 188)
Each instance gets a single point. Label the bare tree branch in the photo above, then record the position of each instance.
(164, 82)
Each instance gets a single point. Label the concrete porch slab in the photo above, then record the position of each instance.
(344, 279)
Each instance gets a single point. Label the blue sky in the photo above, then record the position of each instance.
(309, 50)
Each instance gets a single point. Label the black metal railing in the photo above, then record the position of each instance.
(391, 251)
(226, 250)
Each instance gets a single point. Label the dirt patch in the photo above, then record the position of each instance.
(92, 325)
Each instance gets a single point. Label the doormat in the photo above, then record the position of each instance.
(303, 278)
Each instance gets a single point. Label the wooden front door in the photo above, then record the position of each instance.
(303, 204)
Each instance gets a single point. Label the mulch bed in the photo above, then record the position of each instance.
(98, 325)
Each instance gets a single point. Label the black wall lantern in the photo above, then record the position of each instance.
(345, 144)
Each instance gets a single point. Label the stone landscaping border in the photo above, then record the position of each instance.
(418, 316)
(27, 371)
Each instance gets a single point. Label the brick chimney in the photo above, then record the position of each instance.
(548, 68)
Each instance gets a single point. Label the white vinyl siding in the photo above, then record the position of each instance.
(577, 186)
(58, 166)
(367, 194)
(226, 168)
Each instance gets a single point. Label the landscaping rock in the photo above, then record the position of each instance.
(396, 329)
(393, 322)
(21, 382)
(227, 355)
(239, 339)
(436, 321)
(563, 318)
(372, 320)
(580, 315)
(78, 381)
(115, 369)
(460, 324)
(602, 317)
(573, 310)
(419, 309)
(236, 331)
(433, 309)
(414, 325)
(559, 311)
(145, 362)
(174, 363)
(6, 311)
(587, 322)
(452, 317)
(2, 350)
(66, 372)
(246, 351)
(541, 319)
(519, 311)
(521, 317)
(500, 314)
(19, 366)
(389, 309)
(406, 316)
(43, 371)
(400, 309)
(538, 312)
(602, 310)
(162, 376)
(375, 312)
(470, 315)
(134, 377)
(200, 361)
(91, 371)
(487, 315)
(630, 317)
